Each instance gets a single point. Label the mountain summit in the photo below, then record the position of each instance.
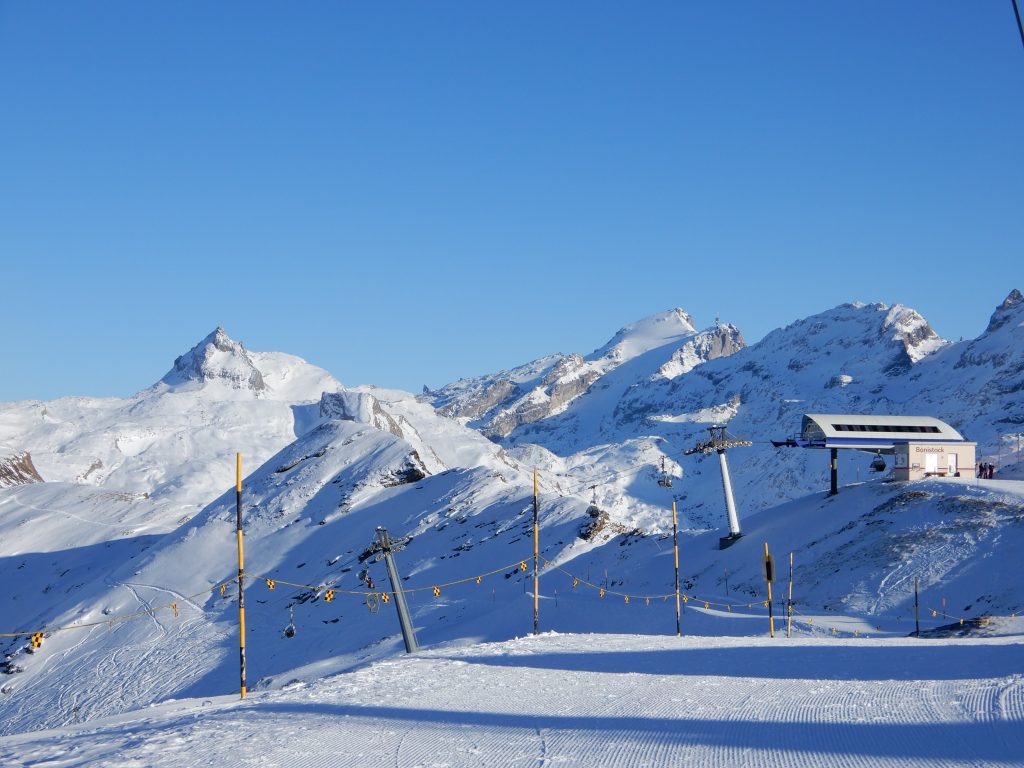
(644, 335)
(217, 357)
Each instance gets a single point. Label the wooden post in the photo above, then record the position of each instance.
(536, 556)
(675, 548)
(789, 603)
(241, 573)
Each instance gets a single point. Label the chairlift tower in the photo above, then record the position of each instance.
(719, 441)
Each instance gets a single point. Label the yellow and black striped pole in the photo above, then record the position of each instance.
(675, 548)
(241, 572)
(536, 556)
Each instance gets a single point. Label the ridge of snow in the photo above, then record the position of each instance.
(646, 334)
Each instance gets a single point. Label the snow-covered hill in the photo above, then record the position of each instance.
(175, 440)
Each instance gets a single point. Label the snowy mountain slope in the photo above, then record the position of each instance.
(177, 438)
(367, 457)
(501, 403)
(310, 512)
(619, 701)
(312, 509)
(854, 358)
(979, 384)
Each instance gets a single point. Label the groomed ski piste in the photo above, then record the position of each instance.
(621, 701)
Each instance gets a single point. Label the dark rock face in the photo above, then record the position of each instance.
(493, 394)
(18, 470)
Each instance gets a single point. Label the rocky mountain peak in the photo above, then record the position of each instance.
(721, 340)
(217, 357)
(1012, 306)
(909, 329)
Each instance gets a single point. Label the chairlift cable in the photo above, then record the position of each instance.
(1020, 26)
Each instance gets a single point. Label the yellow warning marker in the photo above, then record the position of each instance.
(385, 597)
(270, 583)
(686, 598)
(174, 607)
(934, 614)
(522, 565)
(707, 604)
(329, 595)
(479, 579)
(601, 593)
(627, 599)
(575, 583)
(37, 639)
(223, 589)
(437, 591)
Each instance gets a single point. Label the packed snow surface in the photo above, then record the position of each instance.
(619, 701)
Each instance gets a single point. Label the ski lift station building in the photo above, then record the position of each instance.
(921, 446)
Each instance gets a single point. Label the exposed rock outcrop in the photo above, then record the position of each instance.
(18, 469)
(361, 407)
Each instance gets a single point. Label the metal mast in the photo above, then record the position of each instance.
(719, 441)
(385, 548)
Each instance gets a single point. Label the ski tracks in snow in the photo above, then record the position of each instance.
(619, 701)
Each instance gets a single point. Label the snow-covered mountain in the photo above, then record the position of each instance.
(501, 403)
(174, 441)
(857, 358)
(329, 464)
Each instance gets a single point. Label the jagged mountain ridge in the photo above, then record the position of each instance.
(501, 403)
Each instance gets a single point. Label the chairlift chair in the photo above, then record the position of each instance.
(878, 463)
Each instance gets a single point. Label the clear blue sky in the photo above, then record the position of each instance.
(407, 193)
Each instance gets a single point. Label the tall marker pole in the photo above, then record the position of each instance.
(675, 548)
(241, 572)
(789, 603)
(536, 557)
(769, 577)
(917, 622)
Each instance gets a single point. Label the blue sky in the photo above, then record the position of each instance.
(407, 193)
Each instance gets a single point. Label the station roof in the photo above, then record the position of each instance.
(872, 432)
